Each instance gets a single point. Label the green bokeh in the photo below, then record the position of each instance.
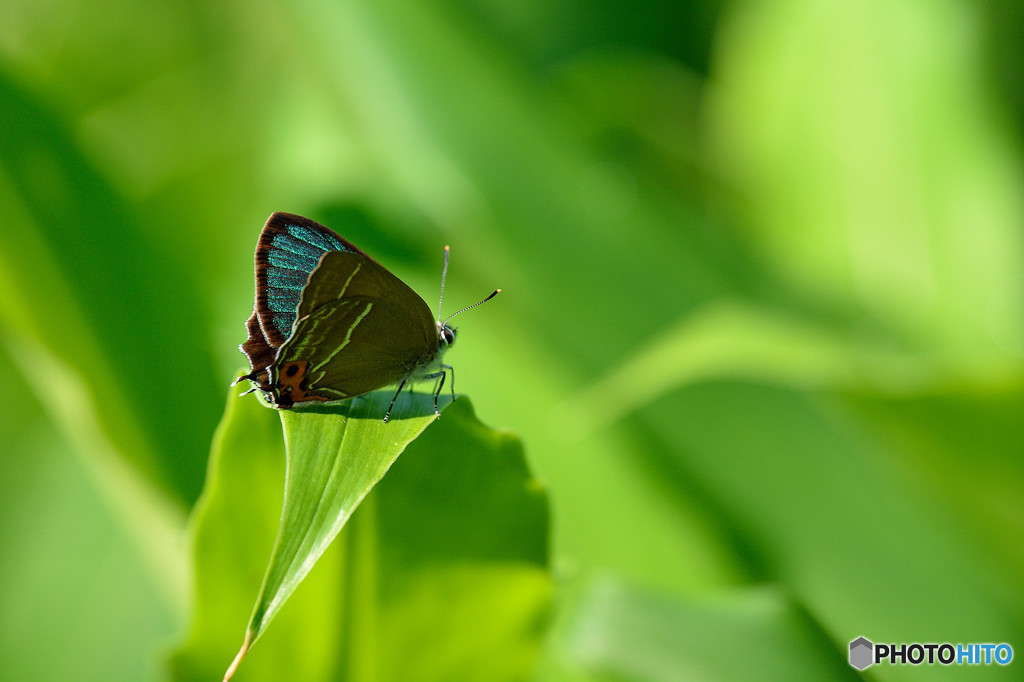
(761, 326)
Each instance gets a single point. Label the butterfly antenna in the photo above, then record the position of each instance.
(444, 274)
(493, 294)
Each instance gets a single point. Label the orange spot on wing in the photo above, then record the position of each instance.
(290, 378)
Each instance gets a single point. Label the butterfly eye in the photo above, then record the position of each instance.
(447, 335)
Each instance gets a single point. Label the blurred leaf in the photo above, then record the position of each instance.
(733, 340)
(82, 282)
(963, 448)
(843, 509)
(441, 575)
(875, 162)
(618, 631)
(69, 558)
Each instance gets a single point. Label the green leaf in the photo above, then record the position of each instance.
(336, 454)
(55, 291)
(442, 573)
(871, 168)
(619, 631)
(879, 514)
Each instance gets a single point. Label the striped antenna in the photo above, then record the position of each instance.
(493, 294)
(444, 274)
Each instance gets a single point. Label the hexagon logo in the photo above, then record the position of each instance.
(861, 653)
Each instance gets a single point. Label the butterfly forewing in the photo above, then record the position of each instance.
(341, 275)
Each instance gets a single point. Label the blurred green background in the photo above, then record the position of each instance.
(761, 329)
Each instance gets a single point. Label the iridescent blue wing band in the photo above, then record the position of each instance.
(294, 248)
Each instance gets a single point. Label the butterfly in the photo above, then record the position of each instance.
(330, 323)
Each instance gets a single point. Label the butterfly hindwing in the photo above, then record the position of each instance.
(348, 347)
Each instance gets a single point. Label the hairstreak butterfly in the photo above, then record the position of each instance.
(330, 323)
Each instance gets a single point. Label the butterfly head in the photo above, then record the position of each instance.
(445, 334)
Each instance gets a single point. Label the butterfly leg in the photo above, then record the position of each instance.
(452, 370)
(440, 385)
(387, 415)
(437, 391)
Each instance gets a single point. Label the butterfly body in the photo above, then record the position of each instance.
(330, 323)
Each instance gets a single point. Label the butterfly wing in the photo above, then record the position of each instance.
(348, 347)
(342, 275)
(359, 328)
(288, 251)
